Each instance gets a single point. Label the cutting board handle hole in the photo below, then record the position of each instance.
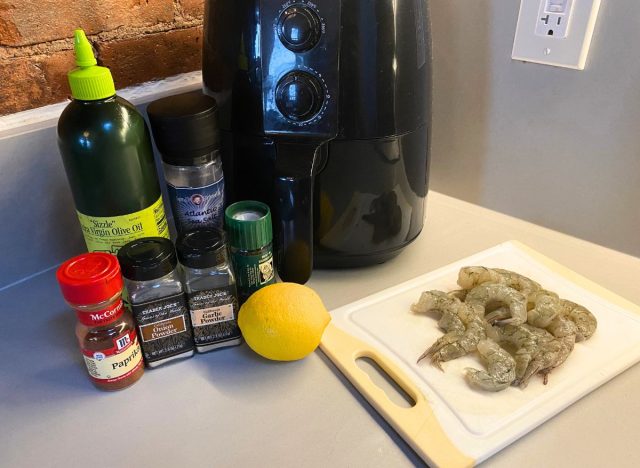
(379, 377)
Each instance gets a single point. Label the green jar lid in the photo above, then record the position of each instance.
(248, 224)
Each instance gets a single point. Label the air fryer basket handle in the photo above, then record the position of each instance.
(293, 206)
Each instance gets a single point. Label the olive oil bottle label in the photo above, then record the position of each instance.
(109, 233)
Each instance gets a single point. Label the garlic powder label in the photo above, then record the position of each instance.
(212, 315)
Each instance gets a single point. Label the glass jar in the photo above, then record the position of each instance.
(211, 289)
(92, 285)
(250, 242)
(157, 299)
(185, 129)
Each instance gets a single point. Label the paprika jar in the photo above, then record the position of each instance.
(91, 284)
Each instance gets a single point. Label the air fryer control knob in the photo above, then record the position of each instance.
(299, 28)
(299, 96)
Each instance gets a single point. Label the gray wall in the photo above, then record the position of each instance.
(554, 146)
(38, 223)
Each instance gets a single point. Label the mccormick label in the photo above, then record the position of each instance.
(117, 362)
(214, 315)
(101, 317)
(198, 207)
(108, 234)
(164, 327)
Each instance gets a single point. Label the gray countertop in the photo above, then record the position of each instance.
(233, 408)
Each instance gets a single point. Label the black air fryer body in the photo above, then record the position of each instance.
(325, 108)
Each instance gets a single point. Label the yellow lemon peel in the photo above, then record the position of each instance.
(283, 321)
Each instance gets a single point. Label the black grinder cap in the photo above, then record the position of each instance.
(147, 259)
(202, 248)
(185, 128)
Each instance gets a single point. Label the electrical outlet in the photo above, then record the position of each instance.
(553, 18)
(555, 32)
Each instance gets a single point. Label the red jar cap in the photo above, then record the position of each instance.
(90, 278)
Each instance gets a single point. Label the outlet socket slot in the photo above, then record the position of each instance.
(553, 18)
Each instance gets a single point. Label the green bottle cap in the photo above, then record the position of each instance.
(88, 82)
(248, 225)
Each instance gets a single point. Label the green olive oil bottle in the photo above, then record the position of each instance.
(106, 150)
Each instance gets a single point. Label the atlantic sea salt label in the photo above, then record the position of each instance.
(195, 208)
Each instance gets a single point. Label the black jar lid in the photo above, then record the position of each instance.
(185, 128)
(202, 248)
(147, 259)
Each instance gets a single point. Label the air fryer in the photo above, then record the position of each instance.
(325, 113)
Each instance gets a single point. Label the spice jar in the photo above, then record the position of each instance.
(157, 299)
(211, 289)
(92, 285)
(185, 129)
(249, 226)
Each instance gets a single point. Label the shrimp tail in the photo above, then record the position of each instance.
(482, 379)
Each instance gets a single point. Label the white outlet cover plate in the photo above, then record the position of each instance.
(568, 46)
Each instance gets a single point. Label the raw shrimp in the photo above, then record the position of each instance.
(535, 296)
(491, 293)
(501, 368)
(561, 318)
(470, 277)
(546, 314)
(451, 323)
(434, 300)
(462, 322)
(458, 293)
(528, 341)
(517, 281)
(565, 332)
(542, 307)
(585, 321)
(446, 348)
(546, 307)
(543, 361)
(497, 315)
(454, 328)
(518, 328)
(539, 350)
(562, 327)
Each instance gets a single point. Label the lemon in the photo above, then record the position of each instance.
(283, 321)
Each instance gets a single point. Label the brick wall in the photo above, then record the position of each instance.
(139, 40)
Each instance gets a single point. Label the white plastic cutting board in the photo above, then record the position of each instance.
(452, 424)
